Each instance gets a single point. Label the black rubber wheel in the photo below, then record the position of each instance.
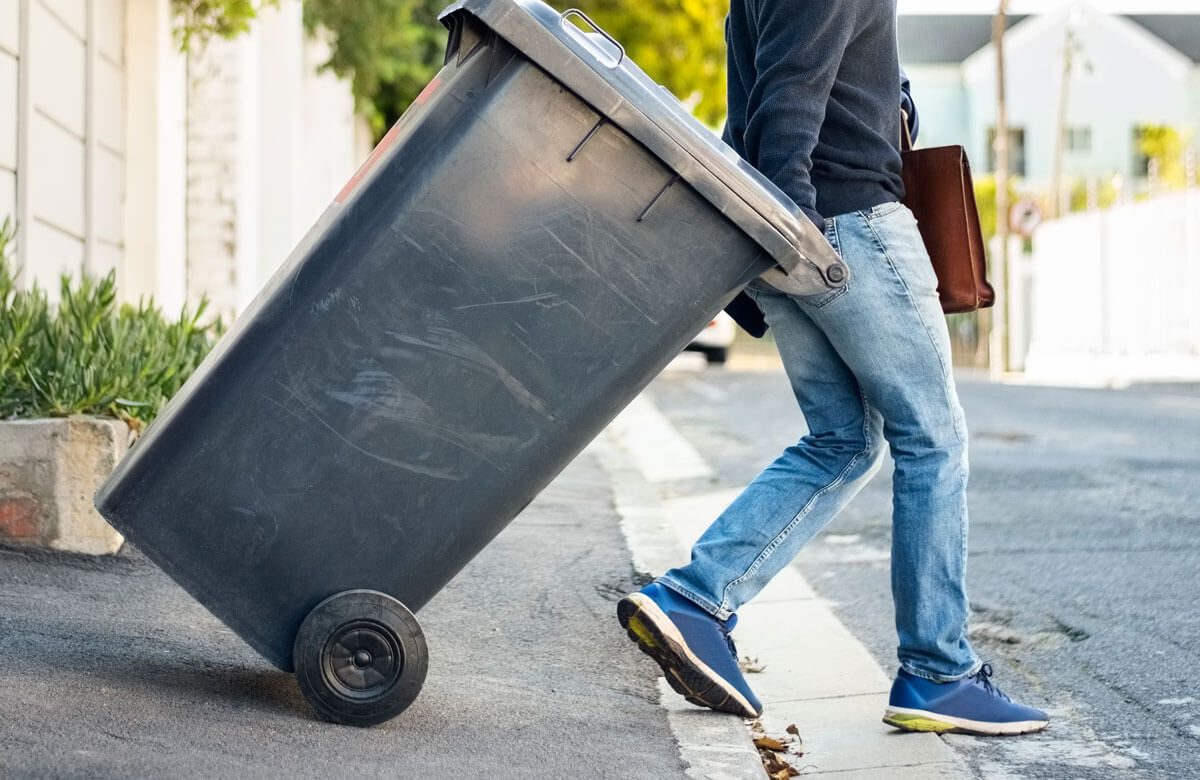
(360, 658)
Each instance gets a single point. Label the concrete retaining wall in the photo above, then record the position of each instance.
(49, 470)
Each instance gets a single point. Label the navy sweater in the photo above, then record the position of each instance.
(814, 104)
(814, 91)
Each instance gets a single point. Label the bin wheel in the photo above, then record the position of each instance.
(360, 658)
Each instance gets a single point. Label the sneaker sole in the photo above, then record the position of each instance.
(657, 637)
(907, 719)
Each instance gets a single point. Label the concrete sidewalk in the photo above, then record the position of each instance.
(815, 673)
(108, 669)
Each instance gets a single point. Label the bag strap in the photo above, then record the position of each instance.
(906, 144)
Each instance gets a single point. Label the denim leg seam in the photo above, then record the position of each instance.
(942, 678)
(720, 613)
(924, 323)
(787, 529)
(866, 405)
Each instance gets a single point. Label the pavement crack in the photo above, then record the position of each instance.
(1071, 632)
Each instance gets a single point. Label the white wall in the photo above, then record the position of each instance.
(9, 46)
(270, 142)
(106, 136)
(1134, 78)
(306, 138)
(52, 221)
(1115, 292)
(155, 171)
(212, 166)
(111, 158)
(61, 134)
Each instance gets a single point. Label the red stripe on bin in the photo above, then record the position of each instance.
(426, 93)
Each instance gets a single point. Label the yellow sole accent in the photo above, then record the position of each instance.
(643, 633)
(917, 723)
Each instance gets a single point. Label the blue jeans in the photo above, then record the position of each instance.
(869, 363)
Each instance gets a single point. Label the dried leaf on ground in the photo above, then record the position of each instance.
(770, 750)
(796, 743)
(750, 665)
(777, 767)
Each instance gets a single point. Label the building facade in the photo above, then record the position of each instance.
(1125, 71)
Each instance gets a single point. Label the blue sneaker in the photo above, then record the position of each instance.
(968, 706)
(692, 647)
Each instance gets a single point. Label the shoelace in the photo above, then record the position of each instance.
(726, 627)
(984, 676)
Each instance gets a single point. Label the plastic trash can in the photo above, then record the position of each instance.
(526, 249)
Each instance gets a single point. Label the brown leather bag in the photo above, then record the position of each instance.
(939, 192)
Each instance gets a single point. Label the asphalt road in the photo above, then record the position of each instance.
(1085, 558)
(1083, 578)
(107, 669)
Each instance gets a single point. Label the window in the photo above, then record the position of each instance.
(1079, 140)
(1016, 150)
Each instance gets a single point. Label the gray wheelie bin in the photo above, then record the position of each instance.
(526, 249)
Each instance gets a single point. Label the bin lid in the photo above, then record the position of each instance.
(594, 67)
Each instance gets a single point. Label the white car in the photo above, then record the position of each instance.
(716, 339)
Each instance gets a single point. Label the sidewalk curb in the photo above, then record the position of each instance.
(815, 673)
(716, 746)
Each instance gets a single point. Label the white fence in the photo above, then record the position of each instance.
(62, 133)
(227, 166)
(1116, 295)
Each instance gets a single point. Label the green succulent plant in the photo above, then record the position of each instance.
(88, 354)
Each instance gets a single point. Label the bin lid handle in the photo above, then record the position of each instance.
(567, 14)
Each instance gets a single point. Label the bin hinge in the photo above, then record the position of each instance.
(670, 183)
(498, 56)
(466, 35)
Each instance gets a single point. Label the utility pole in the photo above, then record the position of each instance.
(998, 359)
(1060, 128)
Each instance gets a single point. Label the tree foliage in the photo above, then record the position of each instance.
(986, 200)
(392, 48)
(1166, 149)
(679, 43)
(389, 49)
(200, 20)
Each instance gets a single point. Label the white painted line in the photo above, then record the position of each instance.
(716, 746)
(658, 450)
(816, 674)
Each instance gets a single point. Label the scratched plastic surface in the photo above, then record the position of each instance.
(456, 328)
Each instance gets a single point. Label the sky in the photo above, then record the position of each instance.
(1042, 6)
